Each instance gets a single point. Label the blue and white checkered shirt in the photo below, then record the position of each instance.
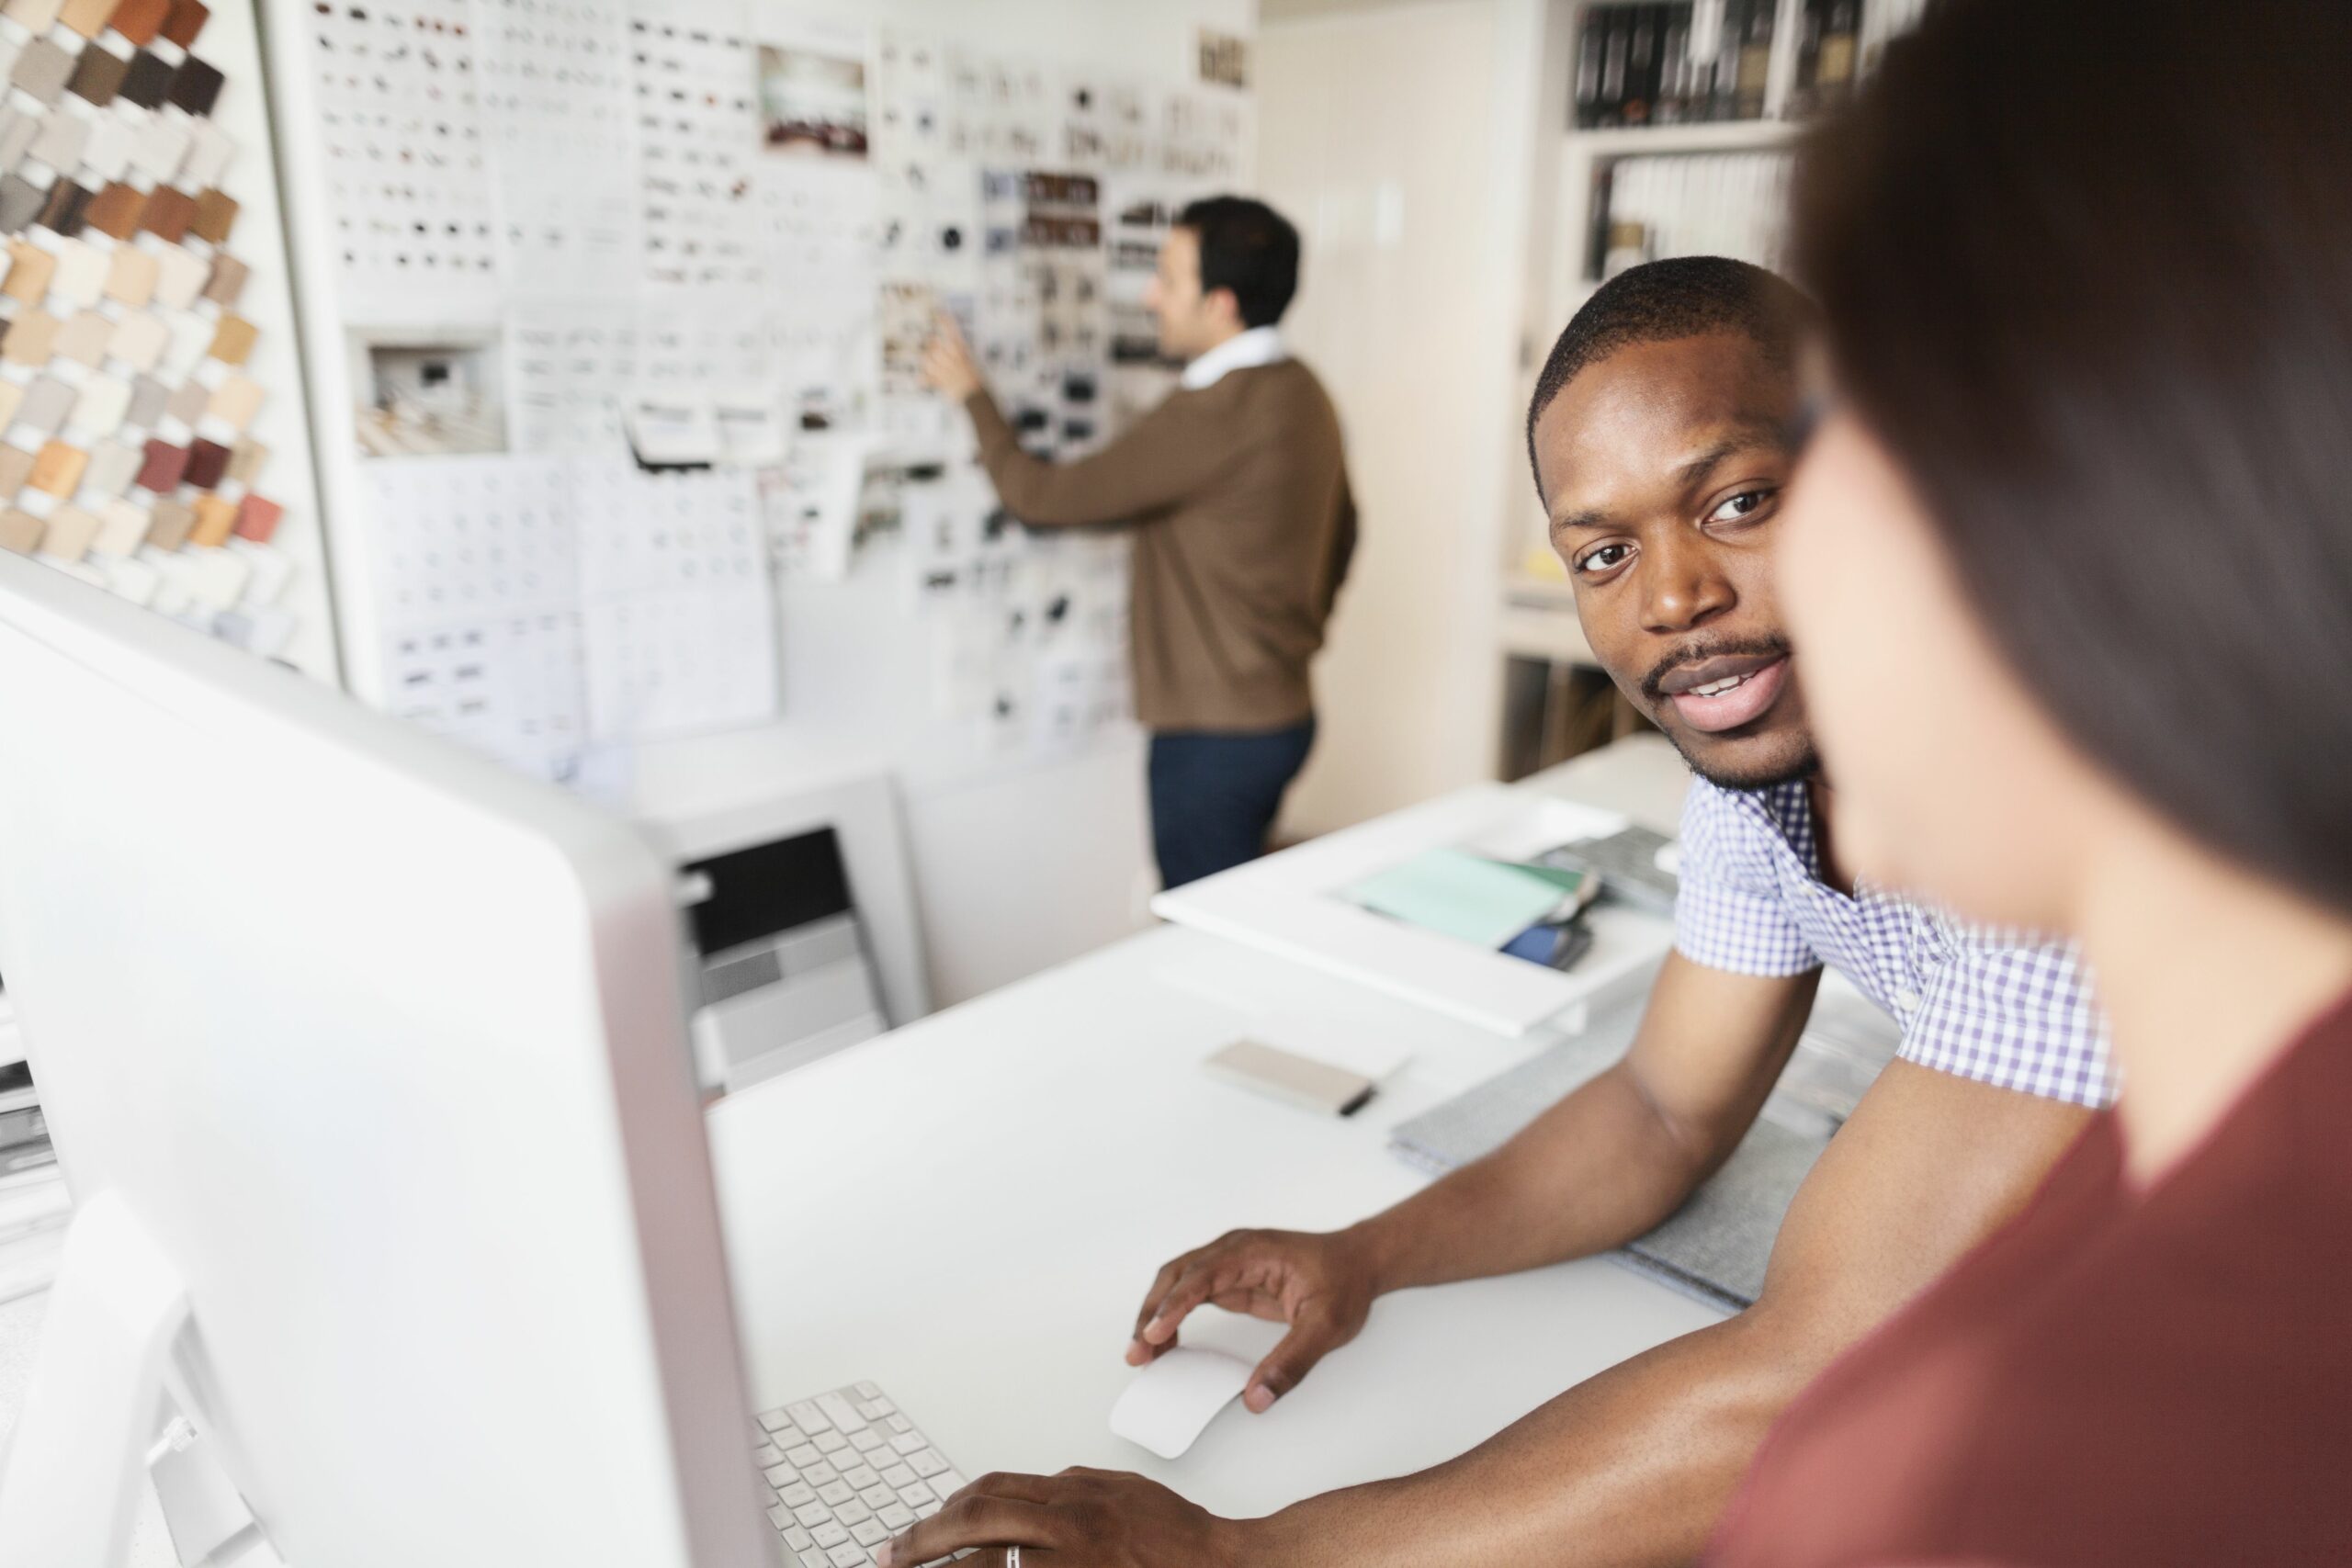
(2000, 1006)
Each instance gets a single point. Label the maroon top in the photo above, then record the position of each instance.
(2119, 1376)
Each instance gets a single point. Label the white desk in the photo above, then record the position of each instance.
(968, 1211)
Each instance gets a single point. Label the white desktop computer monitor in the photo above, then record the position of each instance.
(366, 1062)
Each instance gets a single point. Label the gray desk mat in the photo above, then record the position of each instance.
(1716, 1245)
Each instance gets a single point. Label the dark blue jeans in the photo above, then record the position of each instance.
(1213, 797)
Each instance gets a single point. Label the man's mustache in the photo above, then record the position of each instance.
(1715, 647)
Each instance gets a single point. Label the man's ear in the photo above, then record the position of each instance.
(1227, 305)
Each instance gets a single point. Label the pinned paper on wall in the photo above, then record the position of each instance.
(680, 620)
(695, 75)
(556, 103)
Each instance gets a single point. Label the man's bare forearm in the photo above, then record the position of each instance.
(1593, 1172)
(1631, 1467)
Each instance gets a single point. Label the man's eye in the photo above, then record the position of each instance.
(1602, 559)
(1741, 505)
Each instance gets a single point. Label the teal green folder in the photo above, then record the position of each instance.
(1468, 897)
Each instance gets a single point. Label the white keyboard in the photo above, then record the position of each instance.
(845, 1472)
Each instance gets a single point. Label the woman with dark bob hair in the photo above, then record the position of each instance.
(2069, 558)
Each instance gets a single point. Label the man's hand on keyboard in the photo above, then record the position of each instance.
(1322, 1286)
(1098, 1518)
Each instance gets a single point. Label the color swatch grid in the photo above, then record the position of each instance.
(124, 402)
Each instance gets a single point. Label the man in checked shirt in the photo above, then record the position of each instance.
(1660, 432)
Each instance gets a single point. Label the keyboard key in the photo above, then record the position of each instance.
(809, 1417)
(947, 1483)
(830, 1535)
(915, 1496)
(874, 1409)
(798, 1538)
(908, 1442)
(800, 1495)
(850, 1556)
(926, 1462)
(866, 1442)
(844, 1416)
(781, 1517)
(767, 1454)
(877, 1496)
(834, 1493)
(812, 1515)
(896, 1517)
(820, 1474)
(781, 1475)
(860, 1479)
(803, 1457)
(899, 1424)
(924, 1510)
(867, 1391)
(899, 1476)
(853, 1514)
(773, 1419)
(868, 1533)
(831, 1442)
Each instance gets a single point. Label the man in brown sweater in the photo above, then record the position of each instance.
(1237, 491)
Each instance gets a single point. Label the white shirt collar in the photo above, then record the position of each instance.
(1243, 351)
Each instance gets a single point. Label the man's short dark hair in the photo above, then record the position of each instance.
(1661, 300)
(1250, 248)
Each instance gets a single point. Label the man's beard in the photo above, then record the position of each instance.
(1804, 765)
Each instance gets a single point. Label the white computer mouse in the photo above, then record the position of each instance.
(1168, 1402)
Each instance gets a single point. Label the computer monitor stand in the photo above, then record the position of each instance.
(81, 1445)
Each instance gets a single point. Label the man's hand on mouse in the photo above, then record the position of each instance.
(1322, 1286)
(1098, 1517)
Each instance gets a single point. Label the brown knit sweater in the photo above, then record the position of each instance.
(1244, 527)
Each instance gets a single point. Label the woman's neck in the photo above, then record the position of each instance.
(2208, 974)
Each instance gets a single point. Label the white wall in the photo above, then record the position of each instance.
(1399, 138)
(1019, 868)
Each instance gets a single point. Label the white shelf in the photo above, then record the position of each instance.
(1698, 136)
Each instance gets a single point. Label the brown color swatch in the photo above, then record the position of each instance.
(168, 213)
(147, 81)
(139, 20)
(30, 271)
(21, 531)
(69, 532)
(15, 467)
(139, 339)
(87, 18)
(169, 523)
(228, 281)
(257, 519)
(207, 461)
(65, 209)
(58, 468)
(196, 85)
(215, 518)
(164, 465)
(132, 278)
(216, 214)
(97, 77)
(114, 211)
(184, 20)
(234, 343)
(32, 339)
